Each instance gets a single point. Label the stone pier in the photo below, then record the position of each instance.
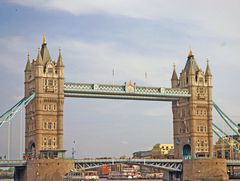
(44, 170)
(205, 170)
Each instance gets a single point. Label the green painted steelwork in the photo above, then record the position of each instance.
(13, 163)
(165, 164)
(216, 130)
(128, 91)
(227, 120)
(8, 115)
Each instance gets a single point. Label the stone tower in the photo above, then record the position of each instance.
(44, 115)
(192, 118)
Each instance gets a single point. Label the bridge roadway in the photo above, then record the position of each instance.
(166, 164)
(85, 164)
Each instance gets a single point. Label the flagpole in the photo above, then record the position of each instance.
(113, 74)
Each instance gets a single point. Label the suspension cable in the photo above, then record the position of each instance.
(229, 136)
(227, 119)
(217, 107)
(234, 147)
(8, 115)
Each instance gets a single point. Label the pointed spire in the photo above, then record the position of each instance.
(28, 65)
(191, 66)
(39, 60)
(174, 74)
(44, 41)
(60, 59)
(190, 54)
(208, 70)
(44, 51)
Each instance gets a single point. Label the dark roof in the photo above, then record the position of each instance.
(208, 70)
(45, 53)
(174, 75)
(191, 60)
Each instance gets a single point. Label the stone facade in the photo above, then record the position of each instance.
(192, 118)
(44, 170)
(44, 115)
(48, 170)
(205, 170)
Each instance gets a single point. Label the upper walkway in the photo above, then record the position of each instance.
(128, 91)
(13, 163)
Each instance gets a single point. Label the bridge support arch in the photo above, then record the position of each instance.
(187, 151)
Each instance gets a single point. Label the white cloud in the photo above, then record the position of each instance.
(216, 16)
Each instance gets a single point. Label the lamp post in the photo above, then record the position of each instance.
(73, 150)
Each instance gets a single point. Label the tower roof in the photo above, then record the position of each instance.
(174, 74)
(44, 51)
(208, 70)
(60, 59)
(190, 53)
(191, 64)
(39, 59)
(28, 65)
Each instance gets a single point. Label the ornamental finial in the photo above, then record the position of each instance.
(44, 41)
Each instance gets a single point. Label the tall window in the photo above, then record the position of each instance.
(49, 142)
(50, 82)
(50, 125)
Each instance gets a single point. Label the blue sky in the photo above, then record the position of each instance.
(131, 36)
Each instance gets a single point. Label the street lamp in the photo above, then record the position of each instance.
(73, 150)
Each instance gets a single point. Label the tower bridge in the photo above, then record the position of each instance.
(45, 90)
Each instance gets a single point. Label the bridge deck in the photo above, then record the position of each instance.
(166, 164)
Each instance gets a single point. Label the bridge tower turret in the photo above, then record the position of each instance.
(192, 117)
(174, 78)
(44, 115)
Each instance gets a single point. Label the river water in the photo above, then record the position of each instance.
(117, 180)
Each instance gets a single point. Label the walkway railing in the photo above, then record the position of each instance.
(12, 163)
(128, 91)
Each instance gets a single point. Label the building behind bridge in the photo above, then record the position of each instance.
(159, 151)
(228, 147)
